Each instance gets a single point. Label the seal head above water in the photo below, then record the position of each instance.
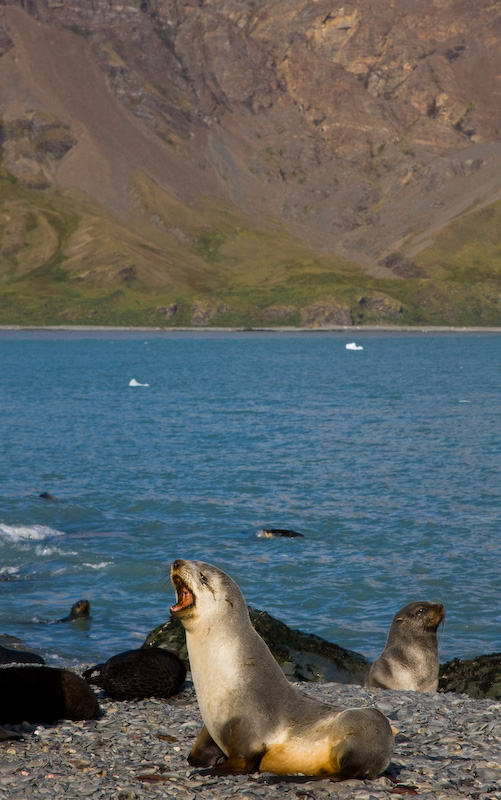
(410, 657)
(79, 610)
(253, 717)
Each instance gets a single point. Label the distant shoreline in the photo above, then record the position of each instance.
(247, 329)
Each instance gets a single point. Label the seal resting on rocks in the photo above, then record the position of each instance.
(79, 610)
(9, 734)
(410, 657)
(254, 719)
(135, 674)
(35, 693)
(8, 656)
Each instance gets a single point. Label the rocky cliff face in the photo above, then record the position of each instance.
(362, 127)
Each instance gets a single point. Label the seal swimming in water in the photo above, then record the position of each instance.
(410, 657)
(8, 656)
(79, 610)
(135, 674)
(273, 533)
(253, 717)
(44, 694)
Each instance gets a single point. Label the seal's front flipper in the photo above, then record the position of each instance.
(205, 752)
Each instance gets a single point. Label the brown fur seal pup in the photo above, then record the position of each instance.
(410, 657)
(8, 656)
(253, 717)
(79, 610)
(134, 674)
(44, 694)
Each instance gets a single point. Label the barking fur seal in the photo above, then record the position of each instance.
(253, 717)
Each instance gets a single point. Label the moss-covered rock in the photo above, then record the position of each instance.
(303, 657)
(476, 677)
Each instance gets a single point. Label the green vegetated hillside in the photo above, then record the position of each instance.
(464, 263)
(65, 260)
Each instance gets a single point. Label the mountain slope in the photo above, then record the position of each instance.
(223, 162)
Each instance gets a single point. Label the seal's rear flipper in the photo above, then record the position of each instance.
(205, 752)
(364, 746)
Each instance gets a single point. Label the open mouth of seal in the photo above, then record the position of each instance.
(184, 596)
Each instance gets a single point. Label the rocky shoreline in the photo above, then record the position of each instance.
(260, 329)
(306, 657)
(448, 746)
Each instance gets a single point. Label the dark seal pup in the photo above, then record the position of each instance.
(254, 719)
(8, 656)
(135, 674)
(410, 657)
(44, 694)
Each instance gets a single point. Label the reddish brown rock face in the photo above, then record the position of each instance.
(354, 125)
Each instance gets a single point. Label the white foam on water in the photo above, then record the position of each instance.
(47, 550)
(101, 565)
(26, 533)
(9, 571)
(353, 346)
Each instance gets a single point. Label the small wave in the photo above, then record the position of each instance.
(8, 572)
(101, 565)
(24, 533)
(47, 550)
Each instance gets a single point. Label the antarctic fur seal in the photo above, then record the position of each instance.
(410, 657)
(38, 693)
(274, 533)
(79, 610)
(8, 656)
(135, 674)
(6, 733)
(254, 719)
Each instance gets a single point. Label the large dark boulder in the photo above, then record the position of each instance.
(302, 656)
(476, 677)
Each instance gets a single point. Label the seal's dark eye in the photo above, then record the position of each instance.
(203, 578)
(420, 611)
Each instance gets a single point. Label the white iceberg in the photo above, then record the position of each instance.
(133, 382)
(354, 346)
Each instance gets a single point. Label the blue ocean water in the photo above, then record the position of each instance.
(385, 458)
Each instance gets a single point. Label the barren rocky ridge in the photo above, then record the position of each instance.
(358, 130)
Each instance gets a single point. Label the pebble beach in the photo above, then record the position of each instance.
(448, 746)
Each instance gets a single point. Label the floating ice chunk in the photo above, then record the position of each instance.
(354, 346)
(133, 382)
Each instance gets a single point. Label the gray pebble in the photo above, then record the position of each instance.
(447, 748)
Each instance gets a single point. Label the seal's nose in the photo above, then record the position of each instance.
(177, 564)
